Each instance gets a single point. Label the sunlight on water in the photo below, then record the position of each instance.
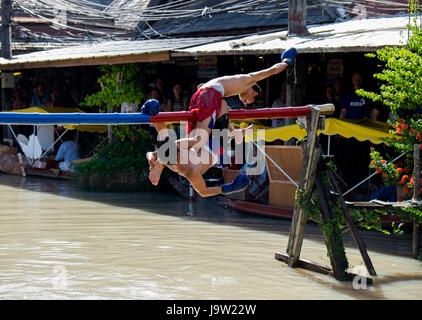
(60, 243)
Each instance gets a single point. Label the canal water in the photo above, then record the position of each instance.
(57, 242)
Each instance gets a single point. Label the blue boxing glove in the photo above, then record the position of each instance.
(238, 184)
(289, 56)
(151, 107)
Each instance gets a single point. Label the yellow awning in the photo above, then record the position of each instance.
(365, 129)
(89, 128)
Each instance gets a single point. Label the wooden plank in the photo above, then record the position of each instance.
(311, 154)
(377, 204)
(416, 197)
(316, 267)
(305, 264)
(358, 240)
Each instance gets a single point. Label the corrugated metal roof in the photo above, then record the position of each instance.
(101, 50)
(355, 35)
(272, 14)
(348, 36)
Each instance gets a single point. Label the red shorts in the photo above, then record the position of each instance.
(203, 104)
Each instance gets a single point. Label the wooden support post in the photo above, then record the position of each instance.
(311, 154)
(6, 52)
(297, 17)
(333, 236)
(416, 197)
(358, 240)
(6, 31)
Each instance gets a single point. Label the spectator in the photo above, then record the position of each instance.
(280, 102)
(234, 103)
(382, 192)
(68, 151)
(40, 98)
(331, 98)
(177, 102)
(155, 94)
(353, 106)
(74, 99)
(338, 87)
(55, 99)
(17, 101)
(159, 85)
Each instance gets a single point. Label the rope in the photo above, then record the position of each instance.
(269, 158)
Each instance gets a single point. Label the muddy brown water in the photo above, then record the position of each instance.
(57, 242)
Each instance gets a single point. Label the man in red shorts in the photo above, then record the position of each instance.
(208, 107)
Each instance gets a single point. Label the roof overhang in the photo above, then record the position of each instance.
(349, 36)
(100, 53)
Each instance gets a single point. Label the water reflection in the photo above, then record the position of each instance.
(58, 242)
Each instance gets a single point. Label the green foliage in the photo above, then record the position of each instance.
(120, 159)
(401, 92)
(119, 84)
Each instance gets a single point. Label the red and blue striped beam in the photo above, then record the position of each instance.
(141, 118)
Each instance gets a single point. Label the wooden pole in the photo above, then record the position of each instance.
(6, 52)
(311, 154)
(416, 197)
(297, 17)
(333, 237)
(358, 240)
(6, 31)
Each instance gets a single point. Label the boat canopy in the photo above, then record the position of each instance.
(364, 129)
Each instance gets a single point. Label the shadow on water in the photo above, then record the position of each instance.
(362, 292)
(207, 210)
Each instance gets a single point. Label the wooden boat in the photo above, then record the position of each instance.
(257, 208)
(49, 173)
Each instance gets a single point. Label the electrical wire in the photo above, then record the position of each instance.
(94, 19)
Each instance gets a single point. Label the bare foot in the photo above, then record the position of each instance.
(152, 158)
(155, 167)
(155, 173)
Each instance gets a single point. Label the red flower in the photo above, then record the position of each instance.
(372, 162)
(406, 189)
(384, 175)
(411, 181)
(398, 131)
(378, 170)
(418, 136)
(404, 179)
(383, 161)
(404, 126)
(400, 170)
(412, 130)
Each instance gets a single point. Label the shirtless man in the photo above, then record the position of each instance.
(208, 107)
(193, 171)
